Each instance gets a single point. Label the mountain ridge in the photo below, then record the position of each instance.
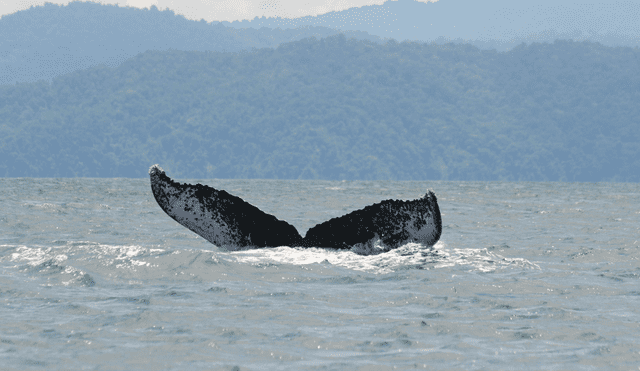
(51, 40)
(336, 108)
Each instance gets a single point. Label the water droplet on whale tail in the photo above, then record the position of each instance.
(230, 222)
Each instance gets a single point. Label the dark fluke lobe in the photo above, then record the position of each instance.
(229, 221)
(220, 218)
(393, 222)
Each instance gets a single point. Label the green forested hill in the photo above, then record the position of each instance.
(43, 42)
(337, 109)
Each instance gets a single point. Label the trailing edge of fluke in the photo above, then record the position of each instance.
(230, 222)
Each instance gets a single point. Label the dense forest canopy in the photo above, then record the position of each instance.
(336, 108)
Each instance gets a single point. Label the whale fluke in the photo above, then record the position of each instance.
(230, 222)
(392, 222)
(220, 218)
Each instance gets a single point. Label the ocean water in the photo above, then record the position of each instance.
(93, 275)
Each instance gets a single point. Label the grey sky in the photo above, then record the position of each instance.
(219, 10)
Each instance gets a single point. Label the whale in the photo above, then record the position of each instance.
(229, 222)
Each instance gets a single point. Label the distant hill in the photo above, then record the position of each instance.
(336, 108)
(51, 40)
(494, 24)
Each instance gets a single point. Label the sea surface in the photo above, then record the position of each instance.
(94, 276)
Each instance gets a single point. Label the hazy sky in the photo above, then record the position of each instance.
(219, 10)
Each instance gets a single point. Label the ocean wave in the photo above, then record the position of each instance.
(86, 263)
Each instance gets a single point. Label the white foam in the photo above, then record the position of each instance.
(411, 255)
(481, 259)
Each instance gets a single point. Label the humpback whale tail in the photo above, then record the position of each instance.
(230, 222)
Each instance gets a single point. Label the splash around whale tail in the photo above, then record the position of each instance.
(230, 222)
